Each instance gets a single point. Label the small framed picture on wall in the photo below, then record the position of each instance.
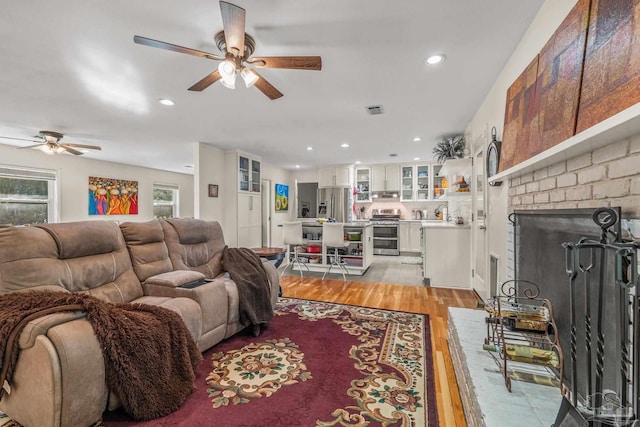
(213, 190)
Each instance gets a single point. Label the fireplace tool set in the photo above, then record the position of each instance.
(521, 328)
(601, 388)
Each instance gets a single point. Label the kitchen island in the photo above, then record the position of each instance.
(446, 254)
(317, 256)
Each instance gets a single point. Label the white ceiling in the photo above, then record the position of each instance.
(72, 67)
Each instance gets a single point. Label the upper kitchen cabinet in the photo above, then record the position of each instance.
(422, 182)
(438, 177)
(336, 176)
(248, 172)
(363, 184)
(385, 178)
(408, 186)
(416, 182)
(456, 178)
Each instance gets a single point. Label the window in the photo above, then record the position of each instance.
(27, 196)
(165, 201)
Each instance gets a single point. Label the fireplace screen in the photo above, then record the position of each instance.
(589, 273)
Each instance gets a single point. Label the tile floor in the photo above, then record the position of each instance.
(403, 270)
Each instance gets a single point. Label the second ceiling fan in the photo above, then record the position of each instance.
(237, 48)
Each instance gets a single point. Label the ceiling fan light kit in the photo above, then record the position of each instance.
(237, 48)
(49, 143)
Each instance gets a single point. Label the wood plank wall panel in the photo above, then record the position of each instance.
(611, 80)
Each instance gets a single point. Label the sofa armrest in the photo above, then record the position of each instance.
(41, 326)
(173, 279)
(274, 280)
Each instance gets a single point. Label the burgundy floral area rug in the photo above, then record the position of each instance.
(317, 364)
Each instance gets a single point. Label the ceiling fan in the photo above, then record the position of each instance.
(49, 142)
(237, 48)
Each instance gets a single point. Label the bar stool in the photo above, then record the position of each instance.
(333, 236)
(293, 236)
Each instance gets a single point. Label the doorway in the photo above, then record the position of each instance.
(479, 237)
(266, 212)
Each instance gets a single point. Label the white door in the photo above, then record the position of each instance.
(266, 213)
(378, 178)
(479, 237)
(392, 175)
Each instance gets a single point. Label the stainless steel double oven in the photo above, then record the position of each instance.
(385, 231)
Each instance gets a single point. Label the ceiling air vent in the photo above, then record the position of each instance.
(374, 109)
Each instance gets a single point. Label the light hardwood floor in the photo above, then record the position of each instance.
(424, 300)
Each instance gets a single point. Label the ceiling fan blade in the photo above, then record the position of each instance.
(70, 150)
(18, 139)
(207, 81)
(30, 146)
(289, 62)
(90, 147)
(174, 48)
(267, 88)
(233, 22)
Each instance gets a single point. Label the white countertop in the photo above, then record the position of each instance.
(444, 224)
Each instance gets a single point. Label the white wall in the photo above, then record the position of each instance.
(209, 169)
(279, 176)
(73, 179)
(491, 113)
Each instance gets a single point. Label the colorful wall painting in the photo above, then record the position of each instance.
(108, 196)
(282, 197)
(559, 79)
(611, 81)
(520, 117)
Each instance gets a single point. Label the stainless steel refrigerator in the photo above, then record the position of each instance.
(335, 202)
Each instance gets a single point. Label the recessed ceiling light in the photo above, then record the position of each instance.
(358, 162)
(435, 59)
(309, 148)
(166, 101)
(417, 139)
(297, 166)
(345, 145)
(416, 158)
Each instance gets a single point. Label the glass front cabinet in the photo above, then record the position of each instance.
(363, 184)
(248, 174)
(415, 183)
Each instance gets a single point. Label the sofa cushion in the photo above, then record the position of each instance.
(83, 238)
(94, 259)
(198, 249)
(148, 251)
(175, 278)
(28, 258)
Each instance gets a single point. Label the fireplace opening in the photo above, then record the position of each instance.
(582, 265)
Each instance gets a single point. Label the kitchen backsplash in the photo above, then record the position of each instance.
(463, 207)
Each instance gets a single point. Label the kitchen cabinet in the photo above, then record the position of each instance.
(363, 184)
(385, 178)
(242, 226)
(358, 256)
(336, 176)
(409, 232)
(248, 173)
(249, 221)
(447, 255)
(438, 191)
(416, 182)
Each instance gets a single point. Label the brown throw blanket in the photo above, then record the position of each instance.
(149, 355)
(246, 270)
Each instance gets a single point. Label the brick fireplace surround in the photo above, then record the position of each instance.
(607, 176)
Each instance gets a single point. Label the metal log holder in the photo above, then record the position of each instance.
(607, 393)
(521, 328)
